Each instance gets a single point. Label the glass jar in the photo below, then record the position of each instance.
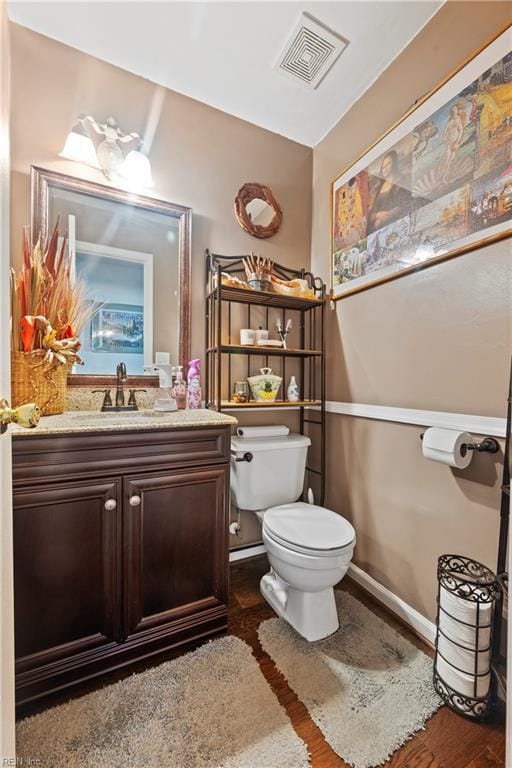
(241, 392)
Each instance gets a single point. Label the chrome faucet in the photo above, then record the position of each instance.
(121, 377)
(121, 381)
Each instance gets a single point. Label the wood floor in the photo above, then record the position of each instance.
(448, 741)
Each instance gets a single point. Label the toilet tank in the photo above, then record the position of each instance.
(274, 476)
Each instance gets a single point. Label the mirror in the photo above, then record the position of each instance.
(260, 211)
(257, 210)
(133, 253)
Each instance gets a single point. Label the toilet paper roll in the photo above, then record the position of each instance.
(458, 619)
(462, 658)
(467, 685)
(447, 446)
(272, 431)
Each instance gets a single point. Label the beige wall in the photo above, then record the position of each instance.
(439, 339)
(436, 340)
(200, 156)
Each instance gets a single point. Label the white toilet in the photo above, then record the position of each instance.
(309, 548)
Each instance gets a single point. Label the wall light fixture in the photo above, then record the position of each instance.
(106, 147)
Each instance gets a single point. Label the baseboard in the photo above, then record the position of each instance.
(415, 620)
(244, 554)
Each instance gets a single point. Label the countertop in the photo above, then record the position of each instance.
(94, 421)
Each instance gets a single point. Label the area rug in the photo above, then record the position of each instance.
(367, 688)
(208, 709)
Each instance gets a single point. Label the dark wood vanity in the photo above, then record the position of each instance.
(120, 548)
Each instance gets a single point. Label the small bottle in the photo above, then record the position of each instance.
(194, 384)
(180, 389)
(293, 391)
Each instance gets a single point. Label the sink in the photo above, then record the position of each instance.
(115, 418)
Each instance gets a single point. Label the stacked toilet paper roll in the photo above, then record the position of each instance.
(465, 626)
(447, 446)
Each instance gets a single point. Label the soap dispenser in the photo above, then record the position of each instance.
(179, 390)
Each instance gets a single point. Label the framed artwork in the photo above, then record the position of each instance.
(436, 185)
(118, 328)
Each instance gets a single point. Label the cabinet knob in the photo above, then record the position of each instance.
(134, 501)
(110, 505)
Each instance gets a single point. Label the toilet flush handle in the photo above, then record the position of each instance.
(246, 457)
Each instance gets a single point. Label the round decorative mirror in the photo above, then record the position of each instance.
(257, 210)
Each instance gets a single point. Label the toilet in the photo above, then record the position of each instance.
(309, 547)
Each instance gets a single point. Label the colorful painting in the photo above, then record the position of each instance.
(118, 329)
(438, 184)
(351, 210)
(390, 186)
(350, 263)
(389, 246)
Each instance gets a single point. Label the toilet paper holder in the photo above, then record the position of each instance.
(487, 445)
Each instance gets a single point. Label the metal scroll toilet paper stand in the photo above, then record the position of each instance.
(469, 668)
(466, 602)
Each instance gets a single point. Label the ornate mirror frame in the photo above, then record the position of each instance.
(42, 179)
(254, 191)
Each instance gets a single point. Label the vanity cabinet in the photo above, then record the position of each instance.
(67, 552)
(120, 549)
(174, 536)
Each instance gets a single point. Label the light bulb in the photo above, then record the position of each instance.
(136, 169)
(80, 149)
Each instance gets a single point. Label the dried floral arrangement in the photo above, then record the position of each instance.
(48, 307)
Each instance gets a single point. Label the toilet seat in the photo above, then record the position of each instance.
(309, 529)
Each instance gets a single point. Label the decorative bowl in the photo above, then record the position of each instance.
(298, 287)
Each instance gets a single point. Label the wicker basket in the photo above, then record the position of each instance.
(33, 380)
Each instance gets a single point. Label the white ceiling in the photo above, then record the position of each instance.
(223, 53)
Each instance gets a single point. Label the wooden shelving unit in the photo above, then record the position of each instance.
(228, 309)
(263, 298)
(238, 349)
(230, 404)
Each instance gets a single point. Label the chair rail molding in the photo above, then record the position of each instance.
(480, 425)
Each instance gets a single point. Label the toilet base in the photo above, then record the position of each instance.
(312, 614)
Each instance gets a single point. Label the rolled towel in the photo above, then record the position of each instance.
(274, 431)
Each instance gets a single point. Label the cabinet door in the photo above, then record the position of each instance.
(176, 547)
(67, 547)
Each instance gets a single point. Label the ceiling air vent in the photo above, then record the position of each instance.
(310, 51)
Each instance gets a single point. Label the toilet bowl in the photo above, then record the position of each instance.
(306, 563)
(309, 547)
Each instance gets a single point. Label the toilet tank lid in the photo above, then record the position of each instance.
(255, 444)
